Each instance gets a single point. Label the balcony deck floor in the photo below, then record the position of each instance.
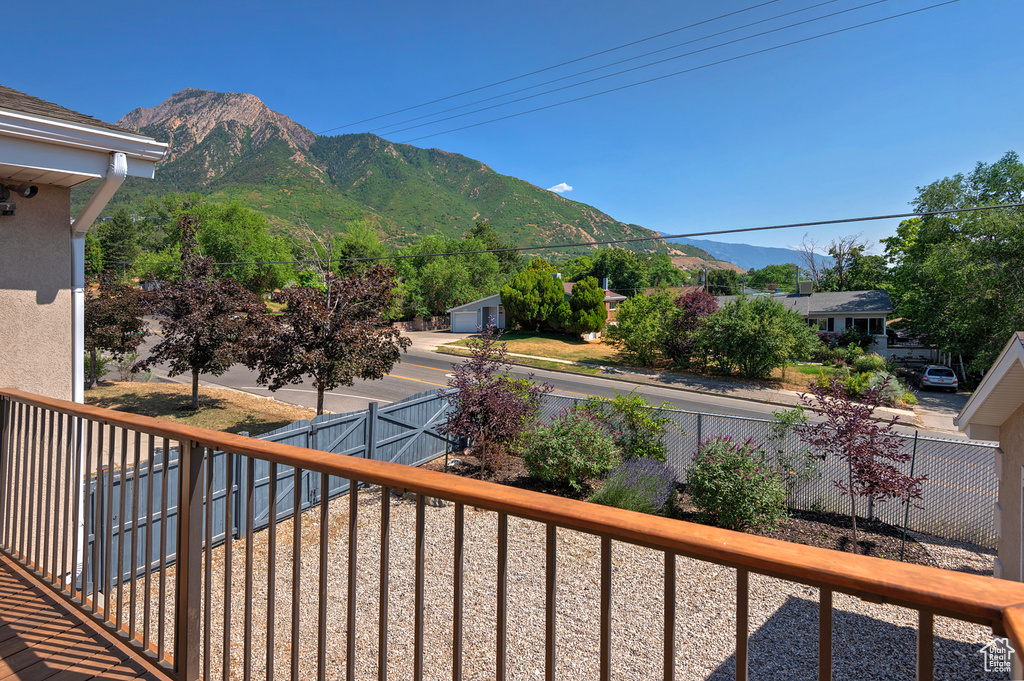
(42, 638)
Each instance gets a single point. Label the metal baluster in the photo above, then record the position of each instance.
(606, 608)
(825, 636)
(250, 486)
(30, 524)
(17, 482)
(45, 516)
(136, 463)
(417, 636)
(65, 464)
(459, 572)
(321, 646)
(229, 478)
(59, 503)
(550, 602)
(208, 572)
(353, 536)
(925, 646)
(271, 569)
(97, 516)
(385, 570)
(501, 645)
(188, 588)
(296, 568)
(120, 527)
(162, 605)
(108, 527)
(669, 665)
(742, 622)
(83, 459)
(6, 459)
(147, 608)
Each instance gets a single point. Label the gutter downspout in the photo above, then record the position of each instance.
(116, 172)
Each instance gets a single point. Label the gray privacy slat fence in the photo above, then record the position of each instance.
(402, 432)
(958, 495)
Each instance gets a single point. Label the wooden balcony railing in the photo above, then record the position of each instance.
(56, 455)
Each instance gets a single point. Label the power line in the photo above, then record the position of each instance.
(556, 66)
(385, 129)
(588, 244)
(684, 71)
(642, 66)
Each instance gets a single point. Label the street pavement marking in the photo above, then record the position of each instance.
(299, 390)
(418, 380)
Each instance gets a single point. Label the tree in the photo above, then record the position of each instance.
(113, 322)
(870, 449)
(626, 271)
(232, 233)
(662, 272)
(332, 335)
(723, 282)
(119, 242)
(783, 277)
(489, 405)
(359, 241)
(511, 261)
(532, 295)
(957, 279)
(585, 311)
(753, 336)
(810, 258)
(642, 324)
(205, 321)
(93, 255)
(681, 335)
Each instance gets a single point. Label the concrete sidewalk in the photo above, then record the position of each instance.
(931, 419)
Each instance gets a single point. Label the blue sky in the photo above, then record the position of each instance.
(844, 126)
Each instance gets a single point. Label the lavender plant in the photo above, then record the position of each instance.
(639, 484)
(733, 486)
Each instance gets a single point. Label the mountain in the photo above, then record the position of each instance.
(231, 146)
(750, 257)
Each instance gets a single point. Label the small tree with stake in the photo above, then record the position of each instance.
(333, 334)
(869, 448)
(204, 320)
(113, 322)
(490, 406)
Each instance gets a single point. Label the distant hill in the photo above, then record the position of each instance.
(750, 257)
(231, 146)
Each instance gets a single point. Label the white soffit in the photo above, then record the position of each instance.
(49, 151)
(1000, 394)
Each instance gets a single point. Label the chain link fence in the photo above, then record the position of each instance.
(957, 496)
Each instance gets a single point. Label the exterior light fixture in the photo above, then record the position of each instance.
(24, 190)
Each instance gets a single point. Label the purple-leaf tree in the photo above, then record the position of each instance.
(205, 320)
(681, 338)
(869, 448)
(331, 334)
(491, 407)
(113, 322)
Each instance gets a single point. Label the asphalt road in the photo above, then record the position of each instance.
(423, 370)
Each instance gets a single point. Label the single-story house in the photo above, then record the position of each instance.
(45, 150)
(473, 316)
(835, 311)
(996, 412)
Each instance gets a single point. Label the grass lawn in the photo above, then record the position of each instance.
(223, 410)
(540, 344)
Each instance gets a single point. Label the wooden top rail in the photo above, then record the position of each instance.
(985, 600)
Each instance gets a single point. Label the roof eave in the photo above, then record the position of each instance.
(1011, 356)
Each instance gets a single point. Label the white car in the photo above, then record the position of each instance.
(935, 376)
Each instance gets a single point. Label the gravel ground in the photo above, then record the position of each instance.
(871, 641)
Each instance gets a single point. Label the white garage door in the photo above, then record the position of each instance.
(464, 322)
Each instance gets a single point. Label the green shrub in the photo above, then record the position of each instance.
(733, 485)
(856, 384)
(103, 365)
(869, 363)
(894, 392)
(570, 450)
(641, 485)
(636, 425)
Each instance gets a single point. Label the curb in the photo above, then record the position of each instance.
(511, 360)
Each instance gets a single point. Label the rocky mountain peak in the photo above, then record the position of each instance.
(189, 116)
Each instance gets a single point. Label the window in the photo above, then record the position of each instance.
(612, 304)
(873, 325)
(822, 323)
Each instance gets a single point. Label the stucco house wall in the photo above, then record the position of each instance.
(1010, 507)
(35, 278)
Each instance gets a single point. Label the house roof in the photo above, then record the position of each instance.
(12, 100)
(1000, 394)
(831, 302)
(489, 300)
(43, 143)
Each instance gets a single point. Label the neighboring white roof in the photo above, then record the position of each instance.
(1000, 394)
(481, 302)
(65, 149)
